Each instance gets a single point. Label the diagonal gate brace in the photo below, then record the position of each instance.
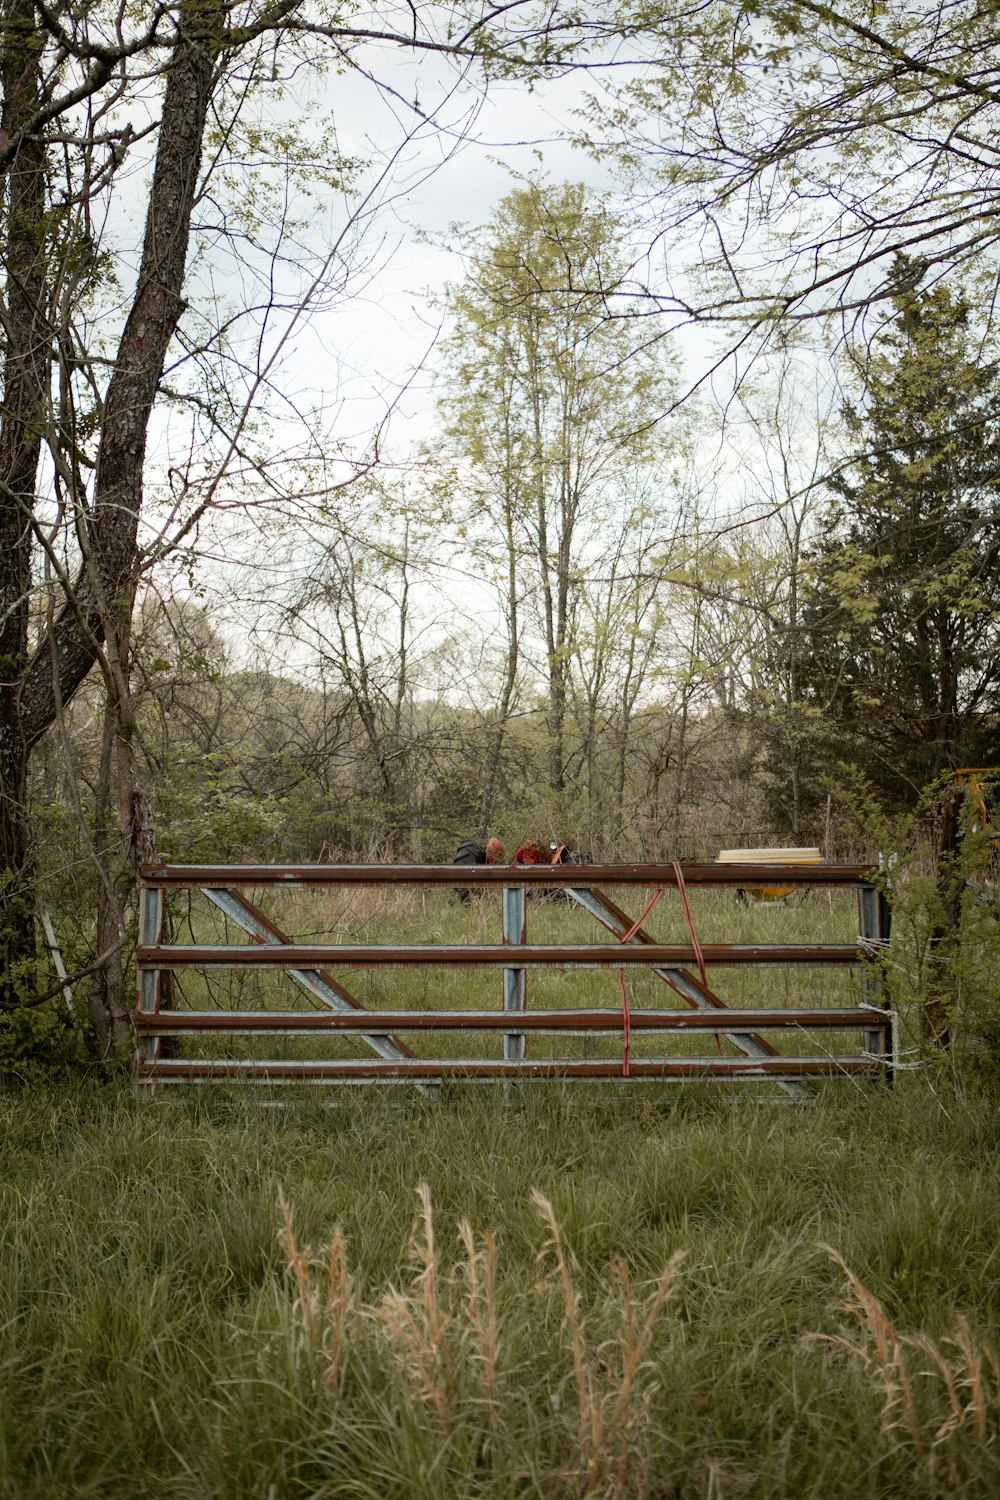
(316, 981)
(690, 989)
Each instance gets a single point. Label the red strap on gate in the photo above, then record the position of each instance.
(682, 888)
(626, 1013)
(699, 956)
(626, 1025)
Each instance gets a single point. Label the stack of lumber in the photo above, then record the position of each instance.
(768, 857)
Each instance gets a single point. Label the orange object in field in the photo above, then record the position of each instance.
(769, 857)
(975, 780)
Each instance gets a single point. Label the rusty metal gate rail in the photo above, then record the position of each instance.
(341, 1014)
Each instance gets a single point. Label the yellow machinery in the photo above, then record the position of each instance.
(769, 857)
(977, 782)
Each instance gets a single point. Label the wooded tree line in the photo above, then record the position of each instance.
(576, 613)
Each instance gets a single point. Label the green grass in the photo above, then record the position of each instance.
(162, 1335)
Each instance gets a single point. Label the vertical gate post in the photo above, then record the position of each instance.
(515, 930)
(876, 916)
(148, 981)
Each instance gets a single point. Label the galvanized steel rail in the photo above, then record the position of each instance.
(308, 965)
(476, 956)
(224, 877)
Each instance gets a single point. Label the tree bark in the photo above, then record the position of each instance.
(108, 531)
(938, 1008)
(101, 597)
(22, 420)
(124, 841)
(109, 932)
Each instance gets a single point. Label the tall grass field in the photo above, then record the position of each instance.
(552, 1290)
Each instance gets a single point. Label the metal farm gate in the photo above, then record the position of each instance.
(333, 1011)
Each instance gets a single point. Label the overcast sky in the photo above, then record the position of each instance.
(372, 348)
(355, 356)
(372, 342)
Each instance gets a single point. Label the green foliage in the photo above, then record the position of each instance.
(206, 816)
(803, 144)
(792, 737)
(38, 1042)
(543, 376)
(904, 613)
(944, 957)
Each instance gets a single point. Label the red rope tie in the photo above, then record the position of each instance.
(626, 1013)
(626, 1025)
(699, 956)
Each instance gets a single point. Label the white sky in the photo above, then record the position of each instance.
(373, 348)
(355, 356)
(371, 344)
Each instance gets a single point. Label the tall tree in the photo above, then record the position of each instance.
(98, 599)
(904, 612)
(103, 104)
(549, 401)
(905, 609)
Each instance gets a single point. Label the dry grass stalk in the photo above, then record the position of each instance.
(480, 1278)
(419, 1324)
(589, 1407)
(610, 1408)
(299, 1261)
(965, 1387)
(888, 1360)
(974, 1380)
(340, 1297)
(608, 1419)
(628, 1407)
(954, 1420)
(964, 1383)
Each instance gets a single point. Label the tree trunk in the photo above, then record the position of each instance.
(21, 425)
(124, 842)
(938, 1007)
(109, 927)
(491, 775)
(109, 529)
(101, 596)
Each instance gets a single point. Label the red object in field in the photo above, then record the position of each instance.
(530, 854)
(534, 854)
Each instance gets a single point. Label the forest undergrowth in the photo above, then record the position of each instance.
(572, 1291)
